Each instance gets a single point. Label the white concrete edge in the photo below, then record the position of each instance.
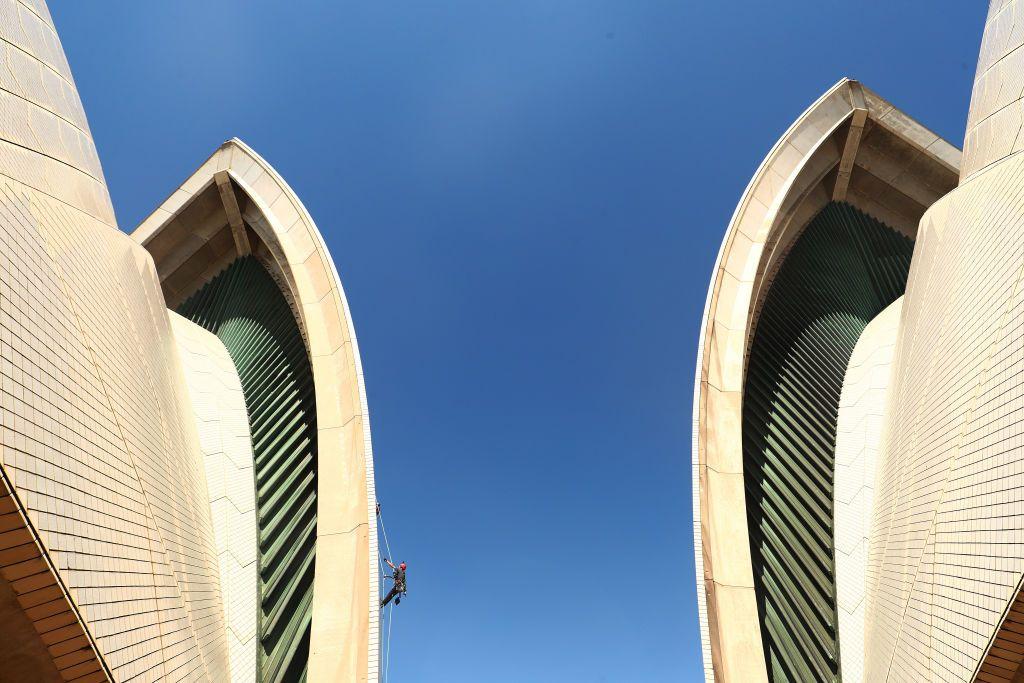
(699, 375)
(371, 489)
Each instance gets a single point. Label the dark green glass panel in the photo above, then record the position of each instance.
(842, 271)
(245, 308)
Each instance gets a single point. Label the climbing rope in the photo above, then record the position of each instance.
(387, 650)
(380, 520)
(391, 607)
(386, 643)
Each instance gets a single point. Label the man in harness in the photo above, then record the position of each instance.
(398, 590)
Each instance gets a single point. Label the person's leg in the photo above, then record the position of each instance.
(391, 594)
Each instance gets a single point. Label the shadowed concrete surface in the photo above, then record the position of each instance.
(23, 655)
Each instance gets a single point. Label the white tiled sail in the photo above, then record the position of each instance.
(859, 433)
(219, 407)
(947, 539)
(94, 436)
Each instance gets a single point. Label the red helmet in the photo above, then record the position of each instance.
(402, 565)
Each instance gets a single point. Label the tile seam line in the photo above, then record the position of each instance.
(991, 66)
(63, 202)
(988, 21)
(995, 112)
(117, 421)
(35, 58)
(59, 161)
(47, 109)
(344, 533)
(32, 9)
(53, 30)
(69, 81)
(228, 499)
(54, 197)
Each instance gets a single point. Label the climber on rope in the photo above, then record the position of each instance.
(398, 590)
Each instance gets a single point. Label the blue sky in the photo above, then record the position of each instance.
(524, 201)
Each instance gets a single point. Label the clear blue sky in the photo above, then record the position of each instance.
(524, 200)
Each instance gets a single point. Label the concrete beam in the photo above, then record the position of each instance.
(858, 120)
(227, 195)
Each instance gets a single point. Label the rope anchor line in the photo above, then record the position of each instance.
(384, 575)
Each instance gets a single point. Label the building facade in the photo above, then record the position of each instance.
(186, 474)
(859, 403)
